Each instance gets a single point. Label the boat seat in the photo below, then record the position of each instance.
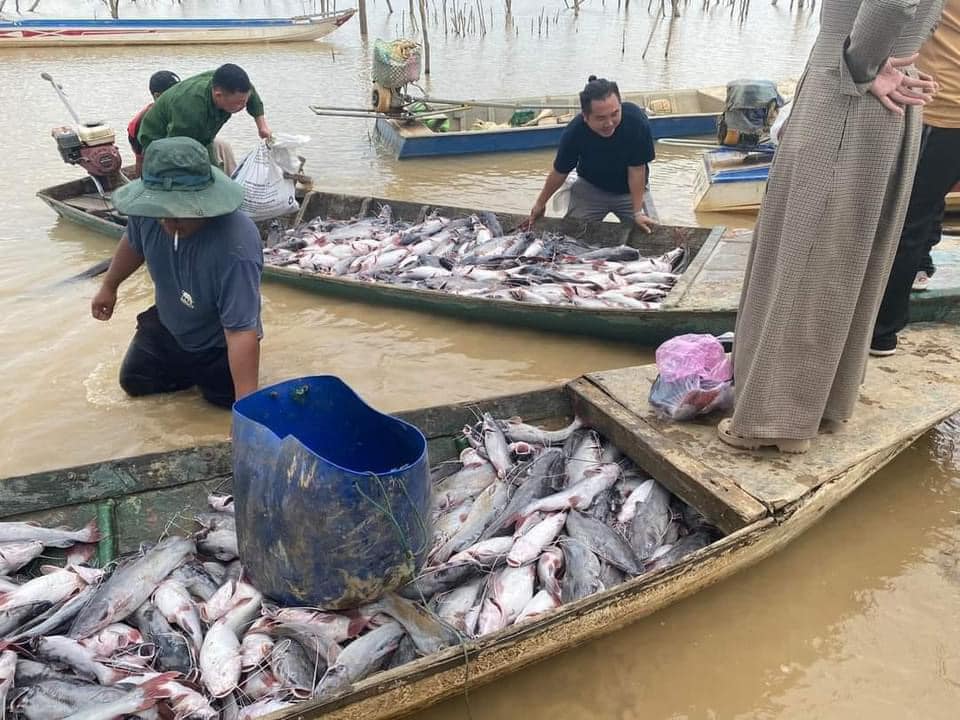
(91, 203)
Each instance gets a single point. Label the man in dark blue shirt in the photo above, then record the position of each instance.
(205, 259)
(610, 145)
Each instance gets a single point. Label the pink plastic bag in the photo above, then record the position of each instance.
(696, 377)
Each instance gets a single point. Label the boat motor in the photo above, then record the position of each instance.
(395, 65)
(90, 145)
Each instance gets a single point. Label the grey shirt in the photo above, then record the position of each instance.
(209, 284)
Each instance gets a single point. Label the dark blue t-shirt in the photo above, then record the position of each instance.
(604, 161)
(209, 284)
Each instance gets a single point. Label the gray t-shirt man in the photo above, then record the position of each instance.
(208, 283)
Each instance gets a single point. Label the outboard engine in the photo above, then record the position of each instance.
(93, 147)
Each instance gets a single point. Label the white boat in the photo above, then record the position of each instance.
(168, 31)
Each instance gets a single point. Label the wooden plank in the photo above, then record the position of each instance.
(89, 203)
(712, 493)
(902, 395)
(533, 406)
(114, 478)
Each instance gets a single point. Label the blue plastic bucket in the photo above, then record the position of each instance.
(332, 497)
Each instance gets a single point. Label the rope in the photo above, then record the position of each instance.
(386, 509)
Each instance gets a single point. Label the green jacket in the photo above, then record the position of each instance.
(187, 109)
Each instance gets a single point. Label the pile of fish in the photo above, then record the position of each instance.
(473, 257)
(526, 520)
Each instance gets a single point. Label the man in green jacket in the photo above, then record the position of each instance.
(200, 105)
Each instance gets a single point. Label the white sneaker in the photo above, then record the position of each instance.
(920, 282)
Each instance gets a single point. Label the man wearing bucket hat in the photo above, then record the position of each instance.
(205, 259)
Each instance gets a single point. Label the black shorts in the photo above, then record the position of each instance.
(155, 363)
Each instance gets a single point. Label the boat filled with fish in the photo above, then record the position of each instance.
(472, 256)
(525, 521)
(585, 516)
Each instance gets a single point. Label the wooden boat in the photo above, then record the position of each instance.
(730, 180)
(79, 202)
(168, 31)
(761, 501)
(704, 299)
(483, 127)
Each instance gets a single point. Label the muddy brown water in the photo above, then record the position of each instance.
(858, 618)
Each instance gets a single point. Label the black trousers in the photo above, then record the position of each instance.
(155, 363)
(937, 171)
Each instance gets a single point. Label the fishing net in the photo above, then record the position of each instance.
(396, 63)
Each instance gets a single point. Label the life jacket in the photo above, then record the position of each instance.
(133, 129)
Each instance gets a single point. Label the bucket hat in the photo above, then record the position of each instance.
(178, 181)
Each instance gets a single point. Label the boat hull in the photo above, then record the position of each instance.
(166, 32)
(135, 499)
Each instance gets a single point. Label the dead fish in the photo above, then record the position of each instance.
(220, 543)
(360, 658)
(638, 495)
(173, 650)
(133, 702)
(55, 617)
(54, 586)
(683, 547)
(130, 585)
(604, 541)
(8, 667)
(495, 443)
(69, 652)
(509, 591)
(530, 545)
(541, 603)
(579, 495)
(484, 553)
(254, 649)
(220, 660)
(50, 537)
(176, 605)
(195, 578)
(518, 431)
(488, 504)
(263, 707)
(454, 606)
(538, 483)
(14, 555)
(650, 522)
(549, 567)
(428, 632)
(432, 581)
(406, 652)
(581, 576)
(297, 671)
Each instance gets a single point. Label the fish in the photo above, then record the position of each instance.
(176, 605)
(542, 602)
(295, 669)
(220, 660)
(488, 505)
(581, 576)
(14, 555)
(131, 703)
(540, 475)
(683, 547)
(130, 585)
(173, 649)
(68, 651)
(54, 617)
(483, 553)
(495, 443)
(428, 632)
(549, 567)
(454, 606)
(518, 431)
(360, 658)
(54, 586)
(604, 541)
(509, 591)
(579, 495)
(8, 668)
(648, 527)
(61, 537)
(254, 649)
(531, 544)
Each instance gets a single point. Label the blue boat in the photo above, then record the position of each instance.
(18, 33)
(537, 123)
(732, 180)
